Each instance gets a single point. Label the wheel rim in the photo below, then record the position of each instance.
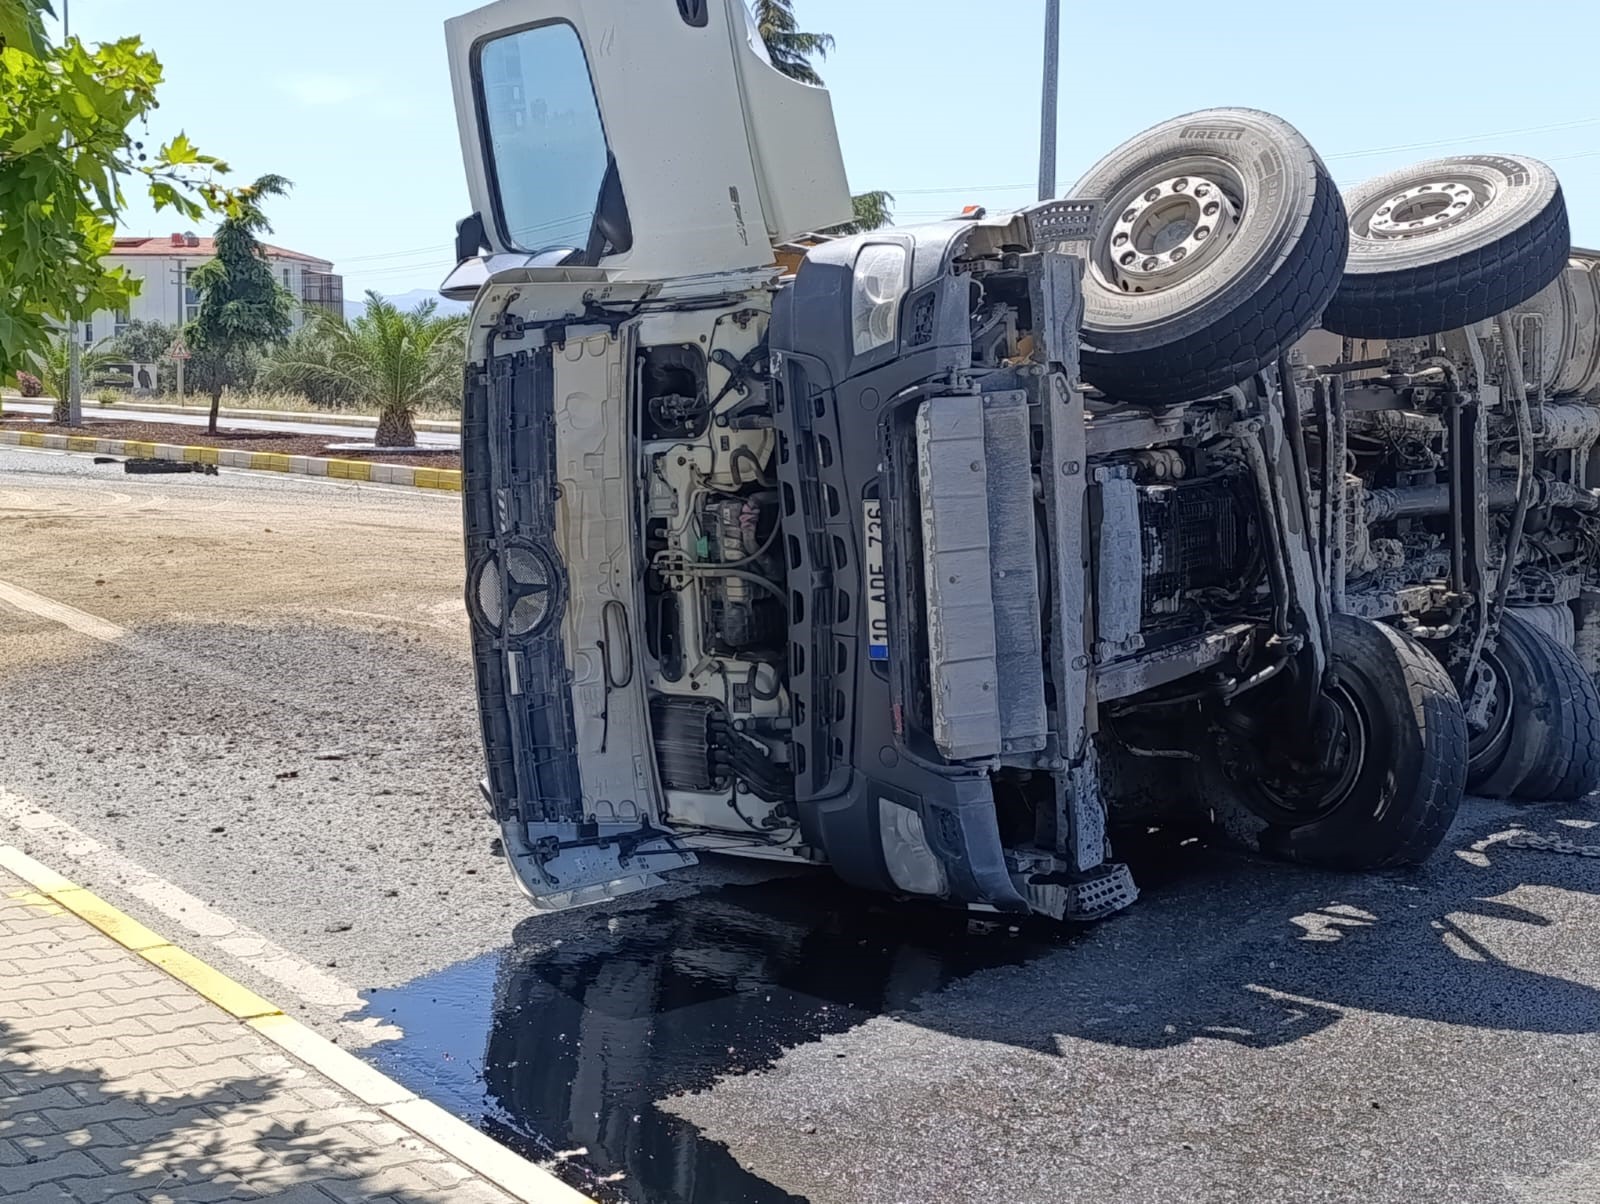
(1290, 794)
(1487, 738)
(1423, 208)
(1168, 223)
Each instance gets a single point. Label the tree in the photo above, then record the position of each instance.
(396, 359)
(872, 212)
(66, 152)
(791, 51)
(55, 363)
(242, 307)
(143, 341)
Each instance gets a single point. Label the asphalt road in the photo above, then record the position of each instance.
(256, 722)
(199, 417)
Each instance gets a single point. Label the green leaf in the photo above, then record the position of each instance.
(179, 151)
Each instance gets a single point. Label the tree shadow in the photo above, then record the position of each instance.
(68, 1132)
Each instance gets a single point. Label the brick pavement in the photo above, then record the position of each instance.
(121, 1085)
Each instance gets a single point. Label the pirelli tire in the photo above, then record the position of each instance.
(1447, 243)
(1396, 769)
(1221, 239)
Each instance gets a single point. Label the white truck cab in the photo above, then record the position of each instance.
(848, 565)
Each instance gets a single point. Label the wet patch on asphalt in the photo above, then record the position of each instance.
(562, 1048)
(601, 1048)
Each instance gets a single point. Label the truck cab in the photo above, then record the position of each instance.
(847, 564)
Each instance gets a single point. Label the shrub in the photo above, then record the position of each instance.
(29, 385)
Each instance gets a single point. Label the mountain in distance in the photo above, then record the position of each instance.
(358, 306)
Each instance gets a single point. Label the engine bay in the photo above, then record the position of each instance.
(712, 583)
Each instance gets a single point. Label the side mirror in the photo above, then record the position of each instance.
(471, 238)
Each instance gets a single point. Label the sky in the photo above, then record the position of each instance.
(937, 102)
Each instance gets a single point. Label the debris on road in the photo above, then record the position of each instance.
(149, 466)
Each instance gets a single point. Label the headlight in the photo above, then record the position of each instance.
(914, 866)
(879, 284)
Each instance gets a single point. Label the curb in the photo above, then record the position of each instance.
(441, 425)
(448, 479)
(525, 1180)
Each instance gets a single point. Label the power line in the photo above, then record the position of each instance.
(432, 249)
(394, 258)
(1353, 154)
(1526, 129)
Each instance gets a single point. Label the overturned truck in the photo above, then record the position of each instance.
(932, 557)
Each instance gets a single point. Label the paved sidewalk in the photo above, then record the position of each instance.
(120, 1083)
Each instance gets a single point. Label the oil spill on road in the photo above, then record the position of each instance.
(561, 1047)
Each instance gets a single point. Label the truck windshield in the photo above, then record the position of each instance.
(547, 148)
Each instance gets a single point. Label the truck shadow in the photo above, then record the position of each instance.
(581, 1036)
(1259, 954)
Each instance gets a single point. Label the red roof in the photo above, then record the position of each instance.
(202, 248)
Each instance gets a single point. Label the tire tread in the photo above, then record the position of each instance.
(1457, 291)
(1572, 769)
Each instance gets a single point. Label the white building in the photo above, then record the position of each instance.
(164, 264)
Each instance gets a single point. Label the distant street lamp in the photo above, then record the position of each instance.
(1047, 114)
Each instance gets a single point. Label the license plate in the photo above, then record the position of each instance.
(877, 588)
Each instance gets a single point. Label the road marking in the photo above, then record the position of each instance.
(59, 612)
(99, 629)
(267, 958)
(436, 624)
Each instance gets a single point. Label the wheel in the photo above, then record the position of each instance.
(1542, 738)
(1448, 243)
(1397, 766)
(1222, 237)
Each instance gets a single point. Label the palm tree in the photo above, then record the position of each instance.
(873, 210)
(395, 359)
(791, 51)
(55, 367)
(306, 365)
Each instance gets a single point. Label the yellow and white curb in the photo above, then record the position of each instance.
(527, 1181)
(321, 417)
(448, 479)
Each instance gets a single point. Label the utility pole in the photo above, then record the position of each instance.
(74, 325)
(1047, 113)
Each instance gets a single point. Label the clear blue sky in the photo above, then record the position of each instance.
(936, 101)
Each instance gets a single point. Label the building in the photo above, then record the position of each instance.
(164, 264)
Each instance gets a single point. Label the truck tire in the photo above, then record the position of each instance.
(1580, 747)
(1221, 239)
(1447, 243)
(1546, 719)
(1397, 778)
